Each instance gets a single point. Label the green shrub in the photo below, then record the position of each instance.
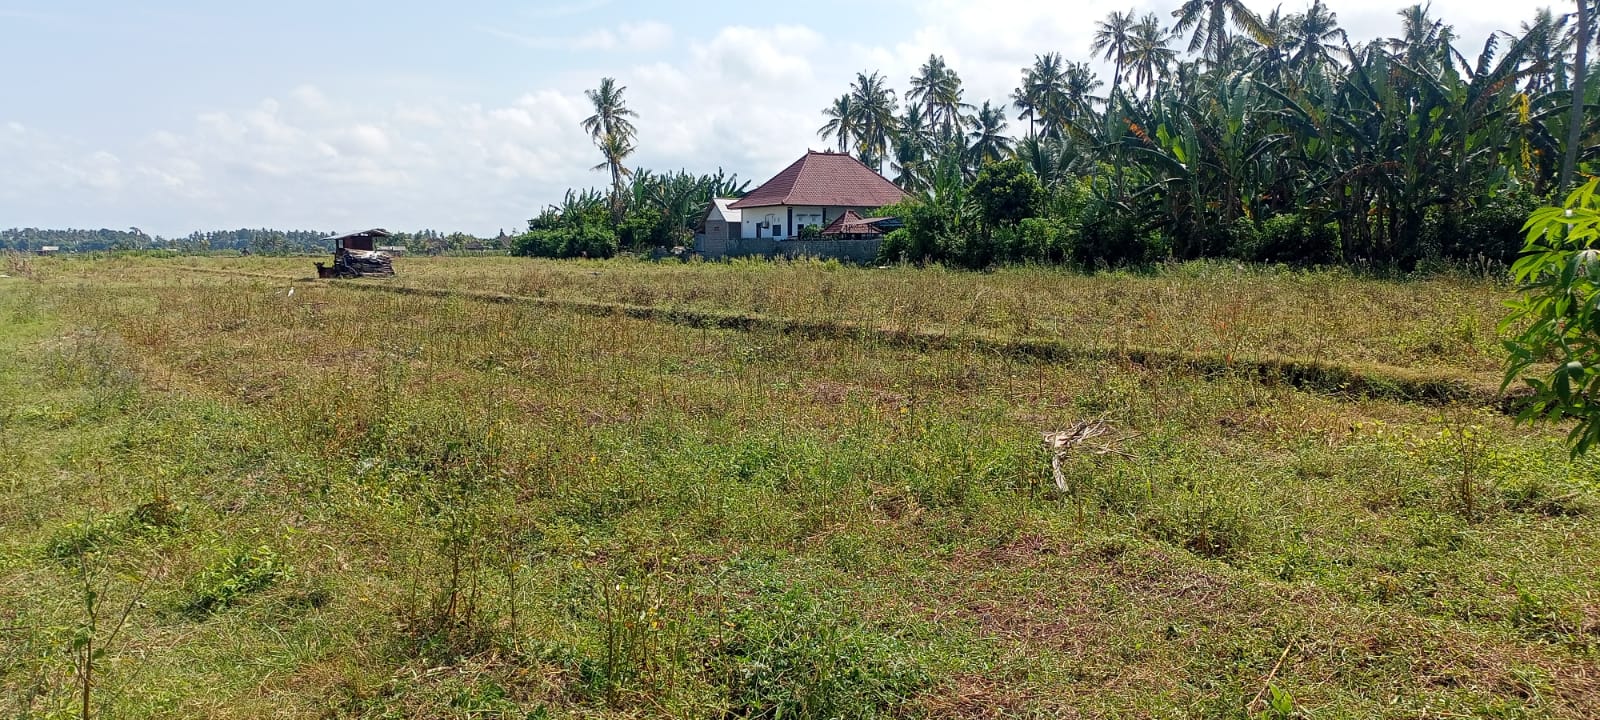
(1111, 236)
(1296, 239)
(1491, 229)
(931, 234)
(1046, 240)
(643, 229)
(1242, 241)
(241, 572)
(895, 247)
(1006, 193)
(593, 241)
(580, 227)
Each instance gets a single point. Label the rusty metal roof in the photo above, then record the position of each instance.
(373, 233)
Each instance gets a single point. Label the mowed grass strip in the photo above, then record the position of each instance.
(1346, 378)
(404, 505)
(1439, 322)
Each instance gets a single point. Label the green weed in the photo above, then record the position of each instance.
(237, 574)
(789, 657)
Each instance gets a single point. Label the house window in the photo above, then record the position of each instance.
(777, 231)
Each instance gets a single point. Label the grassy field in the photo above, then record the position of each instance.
(333, 503)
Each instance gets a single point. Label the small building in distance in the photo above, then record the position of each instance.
(820, 190)
(395, 250)
(365, 240)
(48, 250)
(721, 225)
(815, 190)
(356, 255)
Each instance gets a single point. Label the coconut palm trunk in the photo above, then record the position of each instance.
(1580, 70)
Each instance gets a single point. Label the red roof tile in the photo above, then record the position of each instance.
(824, 178)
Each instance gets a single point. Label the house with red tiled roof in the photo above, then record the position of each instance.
(815, 190)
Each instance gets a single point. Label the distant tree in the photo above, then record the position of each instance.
(1148, 53)
(873, 102)
(912, 147)
(1006, 193)
(613, 133)
(1209, 20)
(1313, 36)
(937, 90)
(1424, 41)
(988, 141)
(1580, 71)
(1551, 45)
(1113, 39)
(841, 124)
(1043, 91)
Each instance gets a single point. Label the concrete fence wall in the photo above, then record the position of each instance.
(856, 251)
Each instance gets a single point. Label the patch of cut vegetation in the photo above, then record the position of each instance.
(353, 504)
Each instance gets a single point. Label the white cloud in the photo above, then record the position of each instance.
(363, 140)
(747, 98)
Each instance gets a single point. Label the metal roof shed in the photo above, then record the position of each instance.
(362, 240)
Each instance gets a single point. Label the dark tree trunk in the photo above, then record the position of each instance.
(1579, 70)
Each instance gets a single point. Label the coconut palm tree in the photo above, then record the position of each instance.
(912, 147)
(1313, 36)
(925, 85)
(872, 109)
(1580, 71)
(1271, 57)
(613, 133)
(1077, 98)
(937, 89)
(1041, 87)
(1424, 42)
(1551, 47)
(611, 111)
(615, 148)
(874, 105)
(988, 141)
(1149, 56)
(841, 123)
(1209, 20)
(1113, 39)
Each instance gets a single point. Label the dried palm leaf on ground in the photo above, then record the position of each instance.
(1084, 436)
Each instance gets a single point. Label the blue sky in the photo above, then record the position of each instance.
(178, 115)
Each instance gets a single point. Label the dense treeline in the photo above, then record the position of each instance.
(1276, 138)
(1222, 132)
(261, 241)
(74, 240)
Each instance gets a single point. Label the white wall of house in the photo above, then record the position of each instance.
(754, 217)
(781, 218)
